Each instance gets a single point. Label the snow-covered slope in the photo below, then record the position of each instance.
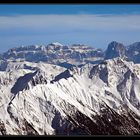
(44, 99)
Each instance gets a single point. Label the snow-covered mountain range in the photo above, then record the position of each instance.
(40, 97)
(56, 53)
(76, 54)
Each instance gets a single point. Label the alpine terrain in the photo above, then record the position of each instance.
(70, 90)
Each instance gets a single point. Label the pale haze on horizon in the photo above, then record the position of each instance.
(93, 25)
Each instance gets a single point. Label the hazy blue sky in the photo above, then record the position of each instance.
(94, 25)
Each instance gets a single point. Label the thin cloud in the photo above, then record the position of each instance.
(89, 22)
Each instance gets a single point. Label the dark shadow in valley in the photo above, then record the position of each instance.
(66, 74)
(22, 83)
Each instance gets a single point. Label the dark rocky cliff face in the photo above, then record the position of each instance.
(109, 123)
(115, 49)
(133, 52)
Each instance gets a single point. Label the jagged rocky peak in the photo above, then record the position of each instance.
(56, 44)
(115, 49)
(25, 48)
(133, 49)
(133, 52)
(112, 71)
(135, 45)
(54, 53)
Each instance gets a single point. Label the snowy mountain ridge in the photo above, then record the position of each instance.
(72, 55)
(46, 99)
(54, 53)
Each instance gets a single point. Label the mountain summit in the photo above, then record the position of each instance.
(115, 49)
